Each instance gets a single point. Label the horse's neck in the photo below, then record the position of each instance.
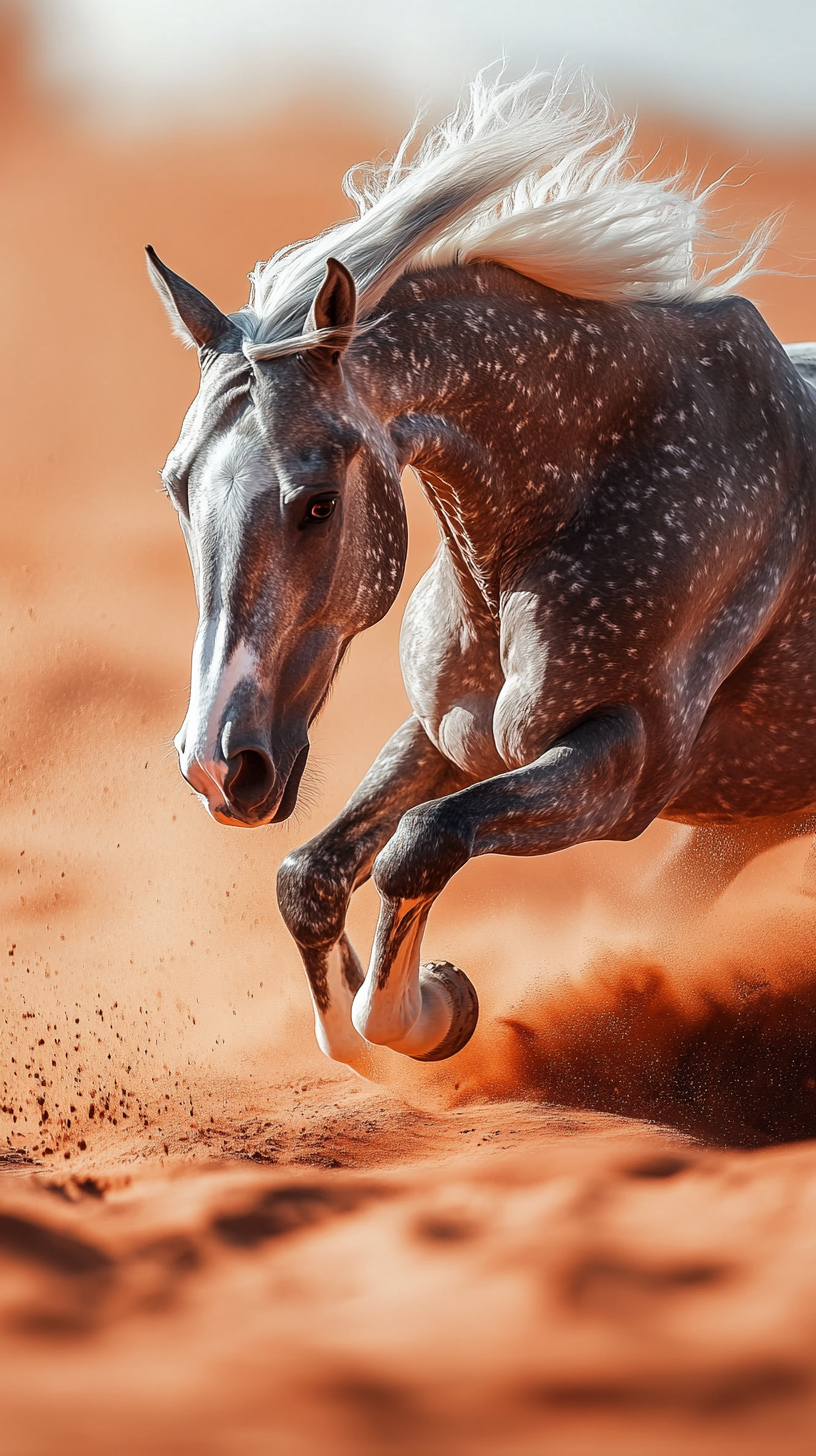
(478, 382)
(462, 483)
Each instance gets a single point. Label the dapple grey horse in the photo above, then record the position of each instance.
(619, 623)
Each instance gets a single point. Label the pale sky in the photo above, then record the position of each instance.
(747, 64)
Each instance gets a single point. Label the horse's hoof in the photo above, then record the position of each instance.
(465, 1004)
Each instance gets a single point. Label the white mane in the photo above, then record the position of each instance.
(537, 175)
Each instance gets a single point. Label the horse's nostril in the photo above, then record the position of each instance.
(249, 779)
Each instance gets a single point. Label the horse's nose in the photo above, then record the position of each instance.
(250, 777)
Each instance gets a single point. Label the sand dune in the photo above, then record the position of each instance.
(499, 1279)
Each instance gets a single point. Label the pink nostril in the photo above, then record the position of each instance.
(197, 777)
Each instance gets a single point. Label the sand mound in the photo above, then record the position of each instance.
(505, 1279)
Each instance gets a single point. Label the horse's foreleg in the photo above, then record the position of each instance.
(316, 881)
(580, 789)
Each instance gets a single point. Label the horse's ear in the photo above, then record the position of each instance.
(193, 319)
(335, 308)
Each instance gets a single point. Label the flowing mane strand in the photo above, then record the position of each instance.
(537, 175)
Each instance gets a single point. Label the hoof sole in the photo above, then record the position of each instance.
(465, 1004)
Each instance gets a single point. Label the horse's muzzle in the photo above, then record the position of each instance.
(250, 780)
(252, 787)
(244, 788)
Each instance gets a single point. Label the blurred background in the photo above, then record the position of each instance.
(143, 958)
(744, 64)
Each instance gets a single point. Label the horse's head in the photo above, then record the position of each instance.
(287, 491)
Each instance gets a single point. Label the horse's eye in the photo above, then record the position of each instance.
(320, 510)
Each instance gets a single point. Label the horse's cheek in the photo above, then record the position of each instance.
(379, 573)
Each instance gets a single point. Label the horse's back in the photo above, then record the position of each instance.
(803, 357)
(753, 755)
(754, 752)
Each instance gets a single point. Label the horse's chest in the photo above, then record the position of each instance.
(464, 734)
(457, 715)
(453, 676)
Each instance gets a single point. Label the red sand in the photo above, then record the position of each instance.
(460, 1264)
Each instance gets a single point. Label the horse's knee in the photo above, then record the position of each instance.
(430, 844)
(312, 897)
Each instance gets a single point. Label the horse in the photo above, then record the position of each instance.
(618, 624)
